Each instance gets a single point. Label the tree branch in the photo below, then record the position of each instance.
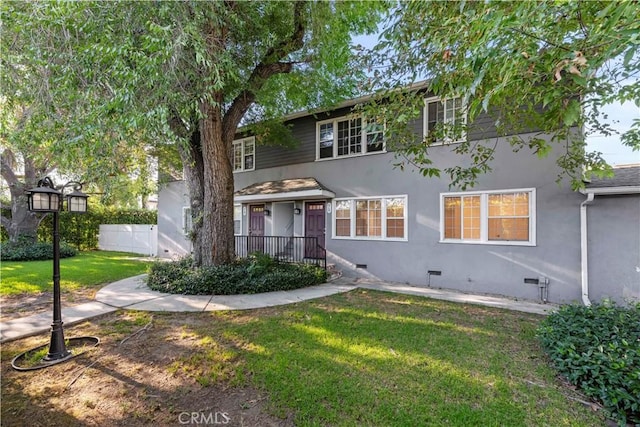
(524, 33)
(270, 65)
(6, 160)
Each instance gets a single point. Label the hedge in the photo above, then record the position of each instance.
(597, 348)
(33, 251)
(259, 273)
(81, 230)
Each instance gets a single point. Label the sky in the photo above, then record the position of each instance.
(620, 116)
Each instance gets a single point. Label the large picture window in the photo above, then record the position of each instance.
(372, 218)
(444, 121)
(348, 136)
(493, 217)
(244, 154)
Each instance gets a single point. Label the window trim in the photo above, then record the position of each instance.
(425, 120)
(363, 138)
(242, 142)
(383, 218)
(484, 218)
(234, 219)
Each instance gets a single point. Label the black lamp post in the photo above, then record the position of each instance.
(46, 198)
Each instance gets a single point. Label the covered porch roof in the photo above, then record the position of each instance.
(285, 189)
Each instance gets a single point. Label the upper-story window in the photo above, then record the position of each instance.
(348, 136)
(244, 154)
(444, 120)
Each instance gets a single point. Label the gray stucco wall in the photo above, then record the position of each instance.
(477, 268)
(498, 269)
(614, 247)
(172, 242)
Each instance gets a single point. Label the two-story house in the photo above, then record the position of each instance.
(516, 233)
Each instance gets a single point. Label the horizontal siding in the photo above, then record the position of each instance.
(304, 132)
(483, 127)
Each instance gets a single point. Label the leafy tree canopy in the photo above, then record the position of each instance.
(570, 58)
(100, 76)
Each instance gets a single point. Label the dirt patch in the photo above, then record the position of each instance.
(21, 305)
(133, 378)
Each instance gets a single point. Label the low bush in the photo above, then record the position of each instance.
(259, 273)
(33, 251)
(597, 348)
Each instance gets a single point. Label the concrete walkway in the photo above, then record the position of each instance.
(133, 294)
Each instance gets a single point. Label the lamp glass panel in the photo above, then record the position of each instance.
(77, 204)
(45, 202)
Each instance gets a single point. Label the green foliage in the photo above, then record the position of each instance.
(558, 62)
(597, 348)
(259, 273)
(26, 250)
(59, 107)
(103, 80)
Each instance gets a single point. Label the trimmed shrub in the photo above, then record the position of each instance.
(259, 273)
(33, 251)
(81, 230)
(597, 348)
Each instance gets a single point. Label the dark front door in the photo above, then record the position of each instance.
(314, 227)
(256, 228)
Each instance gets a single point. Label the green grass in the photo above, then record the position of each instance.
(93, 268)
(373, 358)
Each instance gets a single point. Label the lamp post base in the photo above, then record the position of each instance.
(57, 346)
(29, 361)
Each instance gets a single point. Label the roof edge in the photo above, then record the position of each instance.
(347, 103)
(603, 191)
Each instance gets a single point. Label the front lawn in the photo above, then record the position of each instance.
(87, 269)
(373, 358)
(363, 358)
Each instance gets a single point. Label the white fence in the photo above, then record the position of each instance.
(136, 238)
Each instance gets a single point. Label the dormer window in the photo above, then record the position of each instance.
(348, 136)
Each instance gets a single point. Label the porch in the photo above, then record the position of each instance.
(293, 249)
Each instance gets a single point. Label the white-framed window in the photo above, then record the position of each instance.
(371, 218)
(444, 120)
(244, 154)
(187, 220)
(348, 136)
(503, 217)
(237, 219)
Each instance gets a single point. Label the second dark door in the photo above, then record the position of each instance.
(314, 227)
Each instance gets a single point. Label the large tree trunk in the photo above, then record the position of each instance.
(214, 242)
(218, 244)
(23, 224)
